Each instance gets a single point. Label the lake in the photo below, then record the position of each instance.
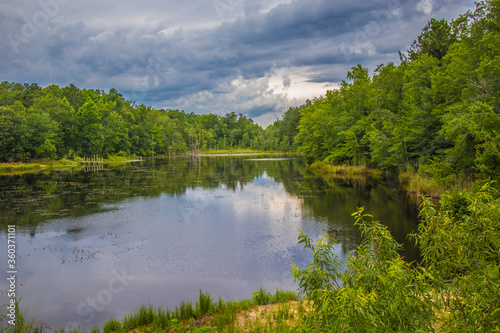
(99, 242)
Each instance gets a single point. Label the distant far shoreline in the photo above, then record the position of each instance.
(241, 154)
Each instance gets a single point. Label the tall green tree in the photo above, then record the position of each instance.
(42, 130)
(90, 129)
(436, 38)
(14, 135)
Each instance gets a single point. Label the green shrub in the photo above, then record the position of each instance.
(111, 325)
(378, 291)
(460, 244)
(441, 171)
(454, 289)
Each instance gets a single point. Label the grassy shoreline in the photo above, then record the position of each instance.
(265, 311)
(36, 166)
(18, 168)
(415, 183)
(329, 170)
(243, 152)
(420, 184)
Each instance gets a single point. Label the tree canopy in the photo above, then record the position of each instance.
(55, 122)
(437, 111)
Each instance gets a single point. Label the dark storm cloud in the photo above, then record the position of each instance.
(206, 56)
(259, 111)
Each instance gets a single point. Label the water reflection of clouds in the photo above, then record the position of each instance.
(227, 241)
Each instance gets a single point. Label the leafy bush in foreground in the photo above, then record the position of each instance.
(378, 291)
(455, 288)
(460, 244)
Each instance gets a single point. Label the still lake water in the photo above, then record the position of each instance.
(92, 244)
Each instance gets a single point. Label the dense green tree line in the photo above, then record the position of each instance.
(54, 122)
(437, 112)
(280, 136)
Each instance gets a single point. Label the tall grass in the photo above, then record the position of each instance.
(119, 159)
(204, 305)
(205, 315)
(19, 167)
(112, 326)
(263, 297)
(23, 322)
(325, 169)
(434, 187)
(229, 151)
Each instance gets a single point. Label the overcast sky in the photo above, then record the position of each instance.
(252, 57)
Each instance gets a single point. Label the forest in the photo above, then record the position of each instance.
(54, 122)
(436, 113)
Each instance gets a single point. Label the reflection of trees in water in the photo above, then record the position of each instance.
(335, 199)
(31, 199)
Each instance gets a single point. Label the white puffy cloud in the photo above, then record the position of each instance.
(425, 6)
